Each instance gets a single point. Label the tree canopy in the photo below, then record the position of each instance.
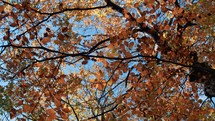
(107, 60)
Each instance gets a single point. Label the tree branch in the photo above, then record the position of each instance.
(58, 12)
(68, 9)
(128, 16)
(99, 43)
(103, 112)
(73, 110)
(137, 56)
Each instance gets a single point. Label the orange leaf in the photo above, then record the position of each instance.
(27, 108)
(167, 27)
(1, 8)
(57, 102)
(66, 110)
(100, 85)
(61, 80)
(140, 20)
(64, 115)
(37, 64)
(56, 71)
(45, 40)
(126, 15)
(159, 91)
(110, 46)
(180, 10)
(51, 113)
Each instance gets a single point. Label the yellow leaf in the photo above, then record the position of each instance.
(8, 8)
(170, 14)
(165, 35)
(110, 82)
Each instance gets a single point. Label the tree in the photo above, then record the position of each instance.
(107, 60)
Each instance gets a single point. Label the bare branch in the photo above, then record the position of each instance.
(103, 112)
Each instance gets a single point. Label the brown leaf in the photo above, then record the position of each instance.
(27, 108)
(1, 8)
(51, 113)
(66, 110)
(12, 113)
(13, 24)
(57, 102)
(56, 71)
(45, 40)
(64, 29)
(61, 80)
(84, 62)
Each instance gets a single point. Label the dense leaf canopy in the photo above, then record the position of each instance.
(107, 60)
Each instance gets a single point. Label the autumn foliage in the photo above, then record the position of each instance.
(107, 60)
